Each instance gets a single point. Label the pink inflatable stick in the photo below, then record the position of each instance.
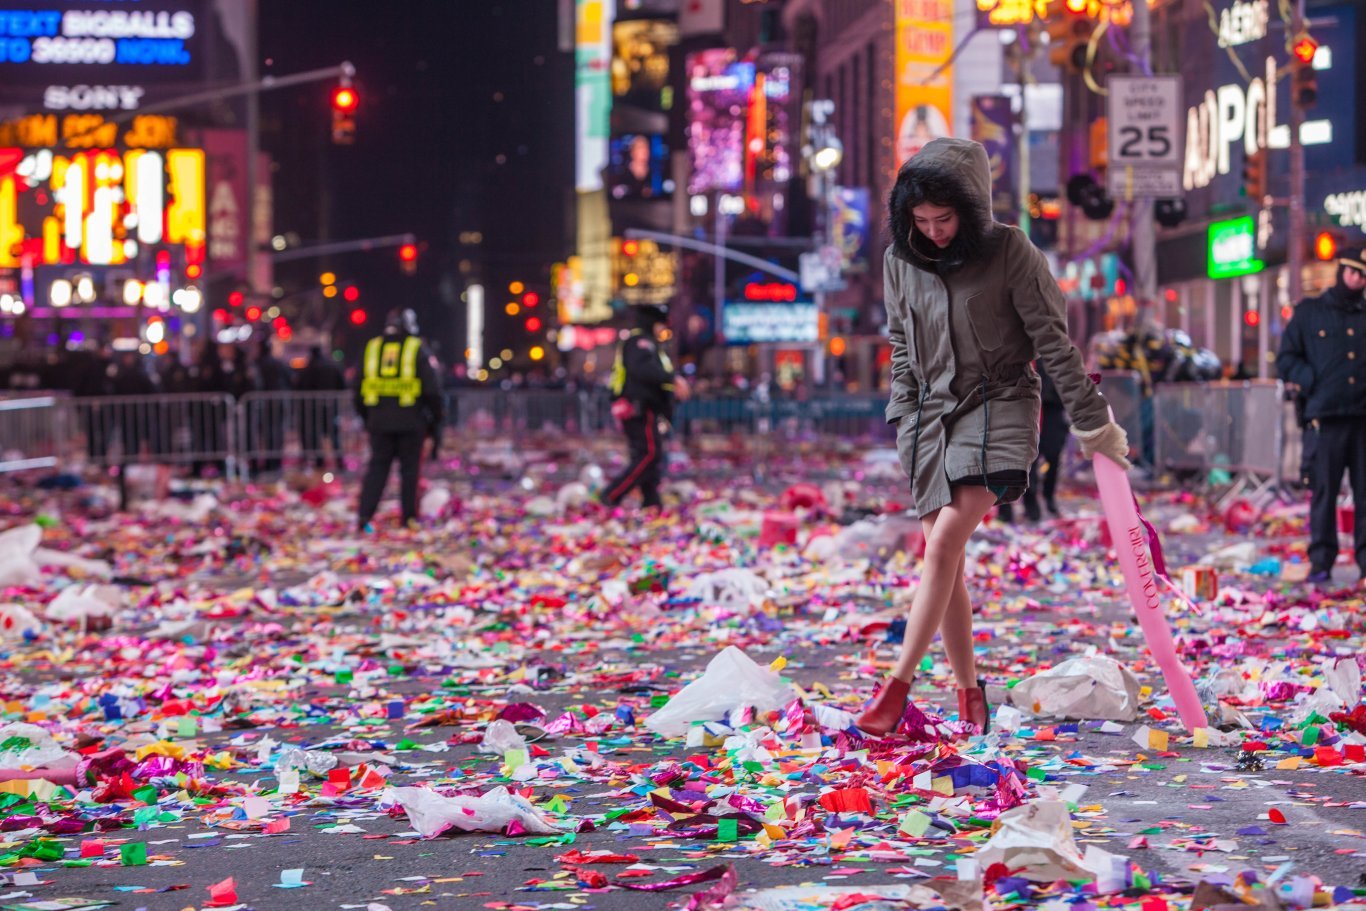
(1140, 577)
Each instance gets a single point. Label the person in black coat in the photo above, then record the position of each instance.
(642, 387)
(1323, 352)
(137, 420)
(1047, 468)
(223, 371)
(319, 414)
(266, 421)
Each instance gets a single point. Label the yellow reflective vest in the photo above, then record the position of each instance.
(390, 371)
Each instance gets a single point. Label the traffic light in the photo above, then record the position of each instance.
(358, 317)
(1254, 176)
(1170, 212)
(1325, 246)
(407, 257)
(1305, 82)
(533, 324)
(530, 299)
(344, 101)
(1069, 27)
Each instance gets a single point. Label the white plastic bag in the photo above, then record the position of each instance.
(1037, 837)
(16, 620)
(434, 502)
(572, 495)
(83, 603)
(731, 680)
(31, 747)
(1085, 688)
(500, 737)
(735, 588)
(17, 566)
(430, 813)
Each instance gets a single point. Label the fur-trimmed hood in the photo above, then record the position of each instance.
(946, 172)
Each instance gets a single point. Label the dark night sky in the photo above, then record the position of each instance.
(429, 132)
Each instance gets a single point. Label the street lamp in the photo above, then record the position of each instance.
(829, 151)
(60, 293)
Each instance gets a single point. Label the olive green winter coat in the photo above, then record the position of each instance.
(965, 323)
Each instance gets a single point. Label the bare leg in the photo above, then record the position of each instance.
(941, 583)
(956, 631)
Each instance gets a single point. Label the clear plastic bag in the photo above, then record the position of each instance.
(500, 737)
(731, 680)
(431, 813)
(1085, 688)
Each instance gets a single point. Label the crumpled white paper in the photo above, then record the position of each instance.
(731, 680)
(431, 813)
(40, 750)
(1037, 837)
(1083, 688)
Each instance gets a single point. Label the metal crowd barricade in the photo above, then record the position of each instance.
(1123, 389)
(199, 429)
(31, 432)
(306, 429)
(1182, 441)
(1256, 434)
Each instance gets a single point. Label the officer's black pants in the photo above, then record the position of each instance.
(643, 468)
(1052, 441)
(1340, 447)
(384, 448)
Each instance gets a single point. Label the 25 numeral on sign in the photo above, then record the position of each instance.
(1157, 137)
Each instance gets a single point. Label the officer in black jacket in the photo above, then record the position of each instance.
(642, 387)
(399, 396)
(1323, 351)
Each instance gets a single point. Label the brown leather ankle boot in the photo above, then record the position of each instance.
(884, 713)
(972, 706)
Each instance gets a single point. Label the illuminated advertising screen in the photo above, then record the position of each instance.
(103, 207)
(84, 55)
(719, 88)
(638, 167)
(640, 63)
(752, 322)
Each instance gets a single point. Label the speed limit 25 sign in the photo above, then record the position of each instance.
(1145, 143)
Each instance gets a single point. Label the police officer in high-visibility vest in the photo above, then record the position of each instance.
(643, 388)
(399, 396)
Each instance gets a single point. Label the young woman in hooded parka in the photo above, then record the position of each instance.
(970, 303)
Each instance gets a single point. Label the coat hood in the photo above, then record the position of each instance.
(946, 172)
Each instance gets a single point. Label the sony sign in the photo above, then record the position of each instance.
(92, 97)
(1228, 114)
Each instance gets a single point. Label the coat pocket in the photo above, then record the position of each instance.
(985, 319)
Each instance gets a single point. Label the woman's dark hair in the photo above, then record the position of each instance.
(934, 183)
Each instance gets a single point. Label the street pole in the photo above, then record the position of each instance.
(1142, 231)
(1022, 59)
(1294, 254)
(253, 144)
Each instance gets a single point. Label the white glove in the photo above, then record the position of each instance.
(1110, 441)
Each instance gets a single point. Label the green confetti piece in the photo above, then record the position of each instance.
(187, 727)
(146, 794)
(343, 676)
(133, 854)
(406, 744)
(658, 701)
(727, 830)
(515, 759)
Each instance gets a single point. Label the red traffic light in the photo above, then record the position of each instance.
(533, 324)
(351, 294)
(1252, 317)
(253, 313)
(408, 253)
(358, 317)
(344, 99)
(1305, 49)
(630, 247)
(235, 298)
(530, 299)
(1325, 246)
